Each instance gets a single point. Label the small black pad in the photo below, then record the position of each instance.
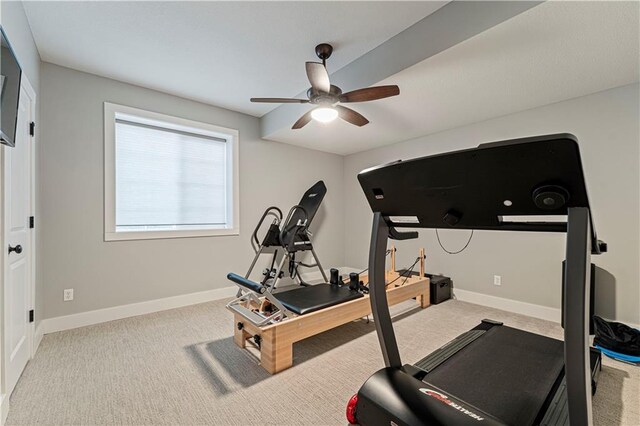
(452, 217)
(315, 297)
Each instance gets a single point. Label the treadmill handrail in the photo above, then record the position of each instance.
(378, 292)
(575, 311)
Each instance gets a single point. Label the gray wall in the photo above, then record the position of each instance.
(15, 24)
(74, 255)
(607, 126)
(106, 274)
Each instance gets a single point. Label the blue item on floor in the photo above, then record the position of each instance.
(635, 360)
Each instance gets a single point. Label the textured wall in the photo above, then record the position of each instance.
(106, 274)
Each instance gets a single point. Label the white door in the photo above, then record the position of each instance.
(17, 251)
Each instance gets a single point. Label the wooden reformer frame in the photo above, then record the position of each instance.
(275, 341)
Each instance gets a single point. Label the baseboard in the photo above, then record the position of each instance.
(509, 305)
(37, 337)
(82, 319)
(4, 408)
(67, 322)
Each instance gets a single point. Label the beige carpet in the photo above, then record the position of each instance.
(181, 367)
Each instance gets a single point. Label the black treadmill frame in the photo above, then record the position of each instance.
(576, 283)
(580, 244)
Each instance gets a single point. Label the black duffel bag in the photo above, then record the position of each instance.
(617, 337)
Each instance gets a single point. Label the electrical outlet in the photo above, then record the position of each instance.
(497, 280)
(68, 294)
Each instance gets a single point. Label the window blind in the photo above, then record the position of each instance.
(168, 179)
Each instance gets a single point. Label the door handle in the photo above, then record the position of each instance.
(17, 249)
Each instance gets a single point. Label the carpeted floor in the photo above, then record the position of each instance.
(181, 367)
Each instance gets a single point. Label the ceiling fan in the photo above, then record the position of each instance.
(328, 97)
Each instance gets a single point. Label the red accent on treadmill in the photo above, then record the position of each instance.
(351, 410)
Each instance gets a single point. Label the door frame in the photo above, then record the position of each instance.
(31, 343)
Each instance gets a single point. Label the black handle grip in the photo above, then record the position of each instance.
(251, 285)
(394, 234)
(17, 249)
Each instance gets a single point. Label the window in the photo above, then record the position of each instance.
(167, 177)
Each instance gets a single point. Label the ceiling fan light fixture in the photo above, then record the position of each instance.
(324, 114)
(327, 99)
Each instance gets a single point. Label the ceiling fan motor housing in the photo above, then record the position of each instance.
(318, 97)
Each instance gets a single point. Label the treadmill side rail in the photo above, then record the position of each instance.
(378, 292)
(576, 311)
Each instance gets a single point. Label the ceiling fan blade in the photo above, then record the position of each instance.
(370, 94)
(318, 77)
(350, 116)
(302, 121)
(280, 100)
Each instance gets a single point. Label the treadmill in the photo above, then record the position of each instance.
(493, 374)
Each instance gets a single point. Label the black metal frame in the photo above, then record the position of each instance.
(378, 292)
(575, 311)
(575, 308)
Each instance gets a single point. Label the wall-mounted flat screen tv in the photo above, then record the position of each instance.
(10, 75)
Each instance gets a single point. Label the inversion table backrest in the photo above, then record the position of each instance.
(310, 203)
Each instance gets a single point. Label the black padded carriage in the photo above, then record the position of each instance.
(306, 299)
(316, 297)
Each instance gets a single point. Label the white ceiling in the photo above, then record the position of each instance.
(220, 53)
(217, 52)
(552, 52)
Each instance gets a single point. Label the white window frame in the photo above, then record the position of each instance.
(111, 111)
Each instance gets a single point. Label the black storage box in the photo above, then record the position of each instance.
(441, 288)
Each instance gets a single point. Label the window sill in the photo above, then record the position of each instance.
(156, 235)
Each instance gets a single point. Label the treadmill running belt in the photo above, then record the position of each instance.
(507, 372)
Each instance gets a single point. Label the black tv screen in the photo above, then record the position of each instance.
(10, 75)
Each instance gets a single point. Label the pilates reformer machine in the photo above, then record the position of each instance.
(273, 322)
(290, 236)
